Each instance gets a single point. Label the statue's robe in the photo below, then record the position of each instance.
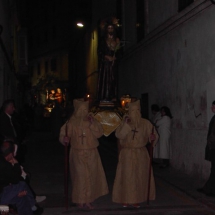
(107, 74)
(87, 174)
(131, 181)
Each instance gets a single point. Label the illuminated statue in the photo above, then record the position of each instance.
(59, 96)
(56, 96)
(52, 95)
(108, 47)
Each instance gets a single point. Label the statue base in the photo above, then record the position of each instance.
(109, 114)
(107, 104)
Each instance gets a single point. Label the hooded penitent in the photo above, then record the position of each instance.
(131, 182)
(87, 174)
(80, 104)
(134, 112)
(81, 108)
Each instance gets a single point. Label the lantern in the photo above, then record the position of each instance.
(125, 99)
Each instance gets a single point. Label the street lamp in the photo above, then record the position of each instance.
(80, 24)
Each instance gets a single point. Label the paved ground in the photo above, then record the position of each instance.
(176, 192)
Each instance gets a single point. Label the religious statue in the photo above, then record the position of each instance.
(56, 96)
(59, 96)
(52, 95)
(108, 47)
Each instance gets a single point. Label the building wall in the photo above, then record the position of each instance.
(92, 64)
(129, 24)
(160, 11)
(7, 77)
(49, 38)
(61, 71)
(175, 66)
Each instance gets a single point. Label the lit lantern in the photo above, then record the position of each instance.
(125, 100)
(88, 97)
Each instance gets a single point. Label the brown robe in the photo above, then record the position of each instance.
(87, 174)
(131, 181)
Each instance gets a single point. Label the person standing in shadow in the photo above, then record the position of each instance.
(156, 113)
(56, 119)
(209, 187)
(162, 148)
(12, 127)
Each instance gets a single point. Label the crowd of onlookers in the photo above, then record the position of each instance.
(15, 189)
(15, 127)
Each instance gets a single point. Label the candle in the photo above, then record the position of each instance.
(123, 103)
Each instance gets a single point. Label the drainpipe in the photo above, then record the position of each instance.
(123, 22)
(146, 17)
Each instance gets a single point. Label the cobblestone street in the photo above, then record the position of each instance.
(176, 193)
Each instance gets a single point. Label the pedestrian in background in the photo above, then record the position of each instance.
(156, 113)
(13, 190)
(56, 119)
(7, 129)
(209, 187)
(12, 126)
(162, 148)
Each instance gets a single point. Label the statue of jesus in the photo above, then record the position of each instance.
(108, 56)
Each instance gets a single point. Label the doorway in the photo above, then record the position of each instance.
(145, 105)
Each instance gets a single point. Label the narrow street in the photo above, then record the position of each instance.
(45, 162)
(122, 58)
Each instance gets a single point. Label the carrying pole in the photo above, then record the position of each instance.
(66, 171)
(150, 166)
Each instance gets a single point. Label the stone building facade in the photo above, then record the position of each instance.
(174, 66)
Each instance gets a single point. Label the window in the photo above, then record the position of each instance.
(46, 67)
(182, 4)
(54, 32)
(140, 19)
(145, 105)
(45, 37)
(38, 40)
(38, 69)
(22, 49)
(53, 7)
(31, 41)
(31, 71)
(53, 64)
(119, 16)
